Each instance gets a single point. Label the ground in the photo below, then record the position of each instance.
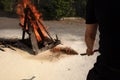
(20, 65)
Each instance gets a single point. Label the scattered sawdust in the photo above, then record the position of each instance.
(63, 49)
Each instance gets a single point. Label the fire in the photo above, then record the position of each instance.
(33, 16)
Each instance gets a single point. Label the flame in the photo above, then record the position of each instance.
(36, 22)
(20, 12)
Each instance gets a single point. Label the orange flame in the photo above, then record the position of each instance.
(36, 23)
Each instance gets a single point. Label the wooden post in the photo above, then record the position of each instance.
(25, 22)
(33, 39)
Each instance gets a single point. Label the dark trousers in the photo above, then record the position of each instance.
(101, 71)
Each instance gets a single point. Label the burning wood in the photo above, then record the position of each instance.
(32, 24)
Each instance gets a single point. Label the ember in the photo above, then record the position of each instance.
(32, 24)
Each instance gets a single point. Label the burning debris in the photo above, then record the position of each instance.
(32, 24)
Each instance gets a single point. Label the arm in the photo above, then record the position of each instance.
(90, 35)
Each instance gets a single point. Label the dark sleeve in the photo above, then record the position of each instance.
(90, 12)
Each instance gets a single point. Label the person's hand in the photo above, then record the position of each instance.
(89, 52)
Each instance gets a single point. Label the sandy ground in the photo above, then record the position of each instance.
(20, 65)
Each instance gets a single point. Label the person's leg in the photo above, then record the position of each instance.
(92, 75)
(101, 71)
(96, 73)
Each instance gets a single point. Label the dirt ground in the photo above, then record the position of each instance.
(20, 65)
